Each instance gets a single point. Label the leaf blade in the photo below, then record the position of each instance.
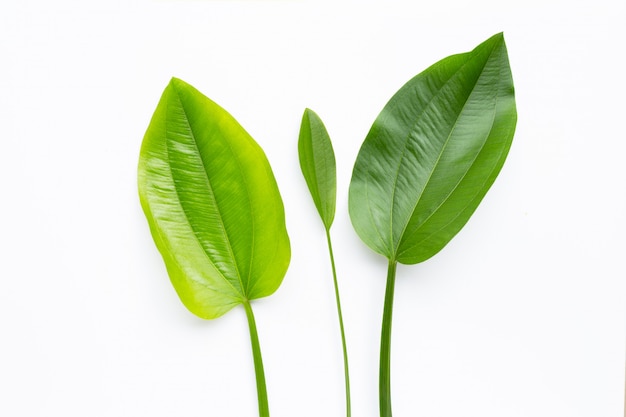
(318, 165)
(438, 136)
(212, 203)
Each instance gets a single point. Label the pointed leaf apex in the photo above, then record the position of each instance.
(179, 84)
(497, 39)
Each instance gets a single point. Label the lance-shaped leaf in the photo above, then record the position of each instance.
(212, 203)
(432, 154)
(317, 161)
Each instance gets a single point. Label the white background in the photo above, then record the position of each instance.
(522, 314)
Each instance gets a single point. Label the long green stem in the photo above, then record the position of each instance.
(385, 344)
(343, 335)
(264, 410)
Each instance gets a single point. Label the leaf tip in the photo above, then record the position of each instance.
(308, 114)
(173, 82)
(179, 85)
(498, 38)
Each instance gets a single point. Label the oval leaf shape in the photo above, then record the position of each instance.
(433, 152)
(212, 203)
(317, 161)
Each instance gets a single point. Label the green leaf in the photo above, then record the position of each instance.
(212, 203)
(432, 154)
(317, 161)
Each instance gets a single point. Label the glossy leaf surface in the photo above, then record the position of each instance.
(317, 161)
(433, 152)
(212, 203)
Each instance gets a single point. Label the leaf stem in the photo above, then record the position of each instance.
(258, 363)
(343, 335)
(385, 344)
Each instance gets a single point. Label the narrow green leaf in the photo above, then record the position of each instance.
(317, 161)
(432, 154)
(212, 203)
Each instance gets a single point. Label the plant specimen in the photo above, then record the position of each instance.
(218, 220)
(427, 162)
(317, 161)
(214, 210)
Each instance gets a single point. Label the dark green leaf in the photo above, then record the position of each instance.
(212, 203)
(432, 154)
(317, 161)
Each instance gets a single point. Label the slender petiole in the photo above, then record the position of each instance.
(343, 335)
(258, 363)
(385, 344)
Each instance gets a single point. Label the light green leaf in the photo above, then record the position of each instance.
(212, 203)
(432, 154)
(317, 161)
